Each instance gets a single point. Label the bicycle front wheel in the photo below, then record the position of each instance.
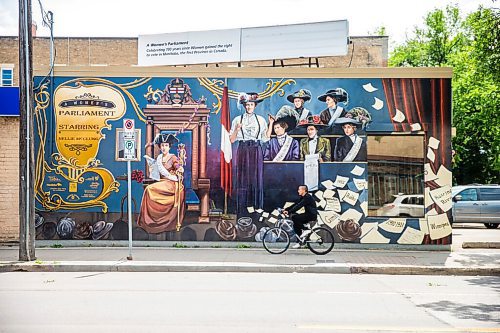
(276, 240)
(320, 241)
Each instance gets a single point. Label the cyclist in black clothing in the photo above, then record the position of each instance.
(311, 213)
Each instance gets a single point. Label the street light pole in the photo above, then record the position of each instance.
(26, 146)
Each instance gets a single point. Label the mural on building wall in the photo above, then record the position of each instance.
(217, 157)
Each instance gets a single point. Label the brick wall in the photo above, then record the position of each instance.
(9, 169)
(86, 51)
(370, 51)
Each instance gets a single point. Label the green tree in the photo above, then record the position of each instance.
(431, 45)
(379, 31)
(476, 100)
(470, 47)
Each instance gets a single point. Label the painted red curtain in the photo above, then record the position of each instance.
(428, 103)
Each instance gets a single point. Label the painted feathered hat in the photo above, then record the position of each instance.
(312, 121)
(288, 114)
(249, 97)
(302, 93)
(358, 116)
(339, 94)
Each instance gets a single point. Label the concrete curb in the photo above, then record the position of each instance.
(481, 245)
(155, 266)
(225, 244)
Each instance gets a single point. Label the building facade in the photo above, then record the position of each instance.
(363, 137)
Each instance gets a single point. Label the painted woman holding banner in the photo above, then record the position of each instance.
(250, 130)
(163, 202)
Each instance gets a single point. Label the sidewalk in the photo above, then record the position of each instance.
(208, 257)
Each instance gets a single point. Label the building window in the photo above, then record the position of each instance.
(7, 79)
(396, 175)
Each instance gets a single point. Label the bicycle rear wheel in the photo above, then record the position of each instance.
(320, 241)
(276, 240)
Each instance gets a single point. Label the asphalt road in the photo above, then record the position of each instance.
(234, 302)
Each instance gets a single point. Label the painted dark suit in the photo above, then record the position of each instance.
(273, 148)
(322, 148)
(326, 116)
(344, 145)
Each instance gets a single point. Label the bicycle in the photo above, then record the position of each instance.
(319, 240)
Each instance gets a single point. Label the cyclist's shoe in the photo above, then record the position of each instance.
(304, 234)
(297, 246)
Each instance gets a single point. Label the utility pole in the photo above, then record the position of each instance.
(26, 146)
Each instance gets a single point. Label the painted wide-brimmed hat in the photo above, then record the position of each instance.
(302, 93)
(49, 230)
(39, 220)
(287, 114)
(245, 228)
(260, 234)
(249, 97)
(83, 230)
(66, 228)
(360, 115)
(120, 230)
(100, 229)
(339, 94)
(226, 230)
(139, 234)
(349, 230)
(165, 138)
(347, 120)
(312, 121)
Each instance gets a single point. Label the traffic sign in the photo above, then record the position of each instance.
(128, 125)
(129, 139)
(129, 149)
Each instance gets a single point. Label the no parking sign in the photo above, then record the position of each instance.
(128, 125)
(129, 140)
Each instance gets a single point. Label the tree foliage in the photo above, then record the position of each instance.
(471, 47)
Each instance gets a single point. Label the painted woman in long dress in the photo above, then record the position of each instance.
(163, 202)
(250, 131)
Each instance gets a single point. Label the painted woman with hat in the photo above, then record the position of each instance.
(332, 98)
(350, 147)
(250, 130)
(299, 98)
(314, 144)
(163, 202)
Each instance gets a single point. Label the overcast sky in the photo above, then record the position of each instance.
(128, 18)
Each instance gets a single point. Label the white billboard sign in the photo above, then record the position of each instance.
(294, 41)
(198, 47)
(246, 44)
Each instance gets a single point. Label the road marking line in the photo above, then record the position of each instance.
(399, 329)
(405, 293)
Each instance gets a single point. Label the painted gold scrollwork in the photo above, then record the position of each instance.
(275, 88)
(153, 95)
(216, 87)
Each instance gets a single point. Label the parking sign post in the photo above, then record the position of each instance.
(129, 144)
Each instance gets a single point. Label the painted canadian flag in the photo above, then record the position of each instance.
(226, 155)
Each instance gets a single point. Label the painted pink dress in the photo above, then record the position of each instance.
(163, 202)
